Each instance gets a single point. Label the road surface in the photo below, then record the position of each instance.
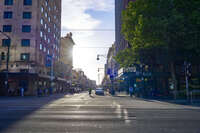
(81, 113)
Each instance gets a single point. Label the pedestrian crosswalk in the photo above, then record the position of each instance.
(85, 114)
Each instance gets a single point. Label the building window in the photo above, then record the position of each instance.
(49, 19)
(40, 46)
(44, 49)
(7, 15)
(45, 14)
(25, 42)
(3, 56)
(42, 9)
(7, 28)
(25, 56)
(27, 15)
(26, 28)
(48, 40)
(27, 2)
(42, 21)
(46, 3)
(8, 2)
(6, 42)
(41, 34)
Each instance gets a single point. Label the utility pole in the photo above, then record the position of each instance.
(7, 60)
(52, 74)
(187, 74)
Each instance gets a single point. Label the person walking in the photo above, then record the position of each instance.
(22, 91)
(90, 91)
(131, 91)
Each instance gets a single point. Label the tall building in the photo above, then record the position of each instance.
(34, 28)
(66, 55)
(120, 42)
(66, 51)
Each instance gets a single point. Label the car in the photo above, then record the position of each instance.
(99, 91)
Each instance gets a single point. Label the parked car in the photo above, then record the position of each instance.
(99, 91)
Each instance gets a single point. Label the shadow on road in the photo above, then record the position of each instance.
(92, 96)
(178, 102)
(14, 109)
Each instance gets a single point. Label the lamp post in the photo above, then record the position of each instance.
(7, 59)
(98, 56)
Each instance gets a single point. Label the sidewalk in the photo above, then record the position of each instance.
(181, 102)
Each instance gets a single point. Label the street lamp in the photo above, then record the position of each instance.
(7, 60)
(98, 56)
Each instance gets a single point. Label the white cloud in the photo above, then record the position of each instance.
(74, 14)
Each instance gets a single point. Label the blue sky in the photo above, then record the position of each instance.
(90, 15)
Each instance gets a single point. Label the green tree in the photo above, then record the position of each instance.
(161, 30)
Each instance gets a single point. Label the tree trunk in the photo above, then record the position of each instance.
(174, 80)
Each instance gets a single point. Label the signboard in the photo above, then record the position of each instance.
(115, 73)
(111, 77)
(129, 69)
(109, 71)
(48, 61)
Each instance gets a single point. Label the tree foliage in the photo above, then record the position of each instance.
(161, 29)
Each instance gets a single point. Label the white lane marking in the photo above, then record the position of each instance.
(126, 118)
(118, 111)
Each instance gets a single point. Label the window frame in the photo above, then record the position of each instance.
(25, 54)
(27, 2)
(25, 14)
(24, 42)
(8, 15)
(4, 41)
(25, 30)
(5, 28)
(8, 2)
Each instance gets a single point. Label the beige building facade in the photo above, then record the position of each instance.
(34, 28)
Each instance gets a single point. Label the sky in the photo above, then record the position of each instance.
(92, 24)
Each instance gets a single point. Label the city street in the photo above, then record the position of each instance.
(81, 113)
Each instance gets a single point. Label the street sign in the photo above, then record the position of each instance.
(111, 77)
(48, 61)
(109, 71)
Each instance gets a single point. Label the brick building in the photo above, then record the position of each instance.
(34, 27)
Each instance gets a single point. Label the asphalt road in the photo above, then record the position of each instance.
(81, 113)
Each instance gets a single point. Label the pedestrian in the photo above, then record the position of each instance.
(131, 91)
(22, 91)
(46, 91)
(38, 91)
(90, 91)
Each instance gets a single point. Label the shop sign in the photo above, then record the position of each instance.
(129, 70)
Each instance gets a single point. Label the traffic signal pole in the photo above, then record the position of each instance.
(187, 74)
(7, 60)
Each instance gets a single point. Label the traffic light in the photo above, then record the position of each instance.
(188, 69)
(3, 57)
